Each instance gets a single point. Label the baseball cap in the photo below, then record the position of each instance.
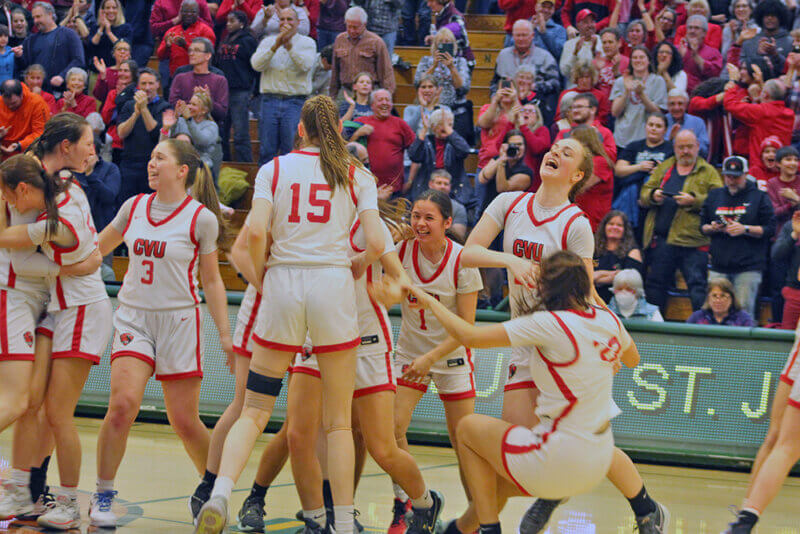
(582, 14)
(734, 166)
(771, 140)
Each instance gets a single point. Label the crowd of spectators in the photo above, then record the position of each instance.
(689, 109)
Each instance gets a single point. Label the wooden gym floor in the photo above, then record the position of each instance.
(156, 479)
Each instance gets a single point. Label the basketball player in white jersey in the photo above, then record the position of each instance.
(308, 201)
(432, 261)
(576, 345)
(781, 448)
(82, 311)
(158, 330)
(65, 144)
(535, 226)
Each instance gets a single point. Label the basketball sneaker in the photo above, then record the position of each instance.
(401, 508)
(537, 516)
(65, 515)
(655, 522)
(100, 513)
(213, 516)
(312, 527)
(15, 501)
(199, 498)
(251, 516)
(744, 522)
(45, 502)
(423, 520)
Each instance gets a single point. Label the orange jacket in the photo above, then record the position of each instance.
(26, 123)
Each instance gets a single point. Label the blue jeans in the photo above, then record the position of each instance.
(325, 38)
(390, 39)
(413, 36)
(664, 260)
(278, 125)
(745, 287)
(238, 118)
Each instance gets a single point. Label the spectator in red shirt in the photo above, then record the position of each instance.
(595, 196)
(612, 63)
(713, 36)
(116, 98)
(388, 138)
(537, 140)
(784, 189)
(175, 44)
(769, 117)
(166, 14)
(601, 9)
(769, 168)
(249, 7)
(585, 78)
(74, 99)
(700, 61)
(34, 79)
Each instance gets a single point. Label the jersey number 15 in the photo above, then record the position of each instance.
(313, 201)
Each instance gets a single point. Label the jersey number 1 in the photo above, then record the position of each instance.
(325, 204)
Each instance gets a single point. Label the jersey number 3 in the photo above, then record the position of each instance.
(148, 274)
(314, 202)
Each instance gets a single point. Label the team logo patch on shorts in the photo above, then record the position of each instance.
(404, 368)
(512, 370)
(28, 337)
(306, 354)
(126, 338)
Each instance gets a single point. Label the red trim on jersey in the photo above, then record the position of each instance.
(46, 332)
(275, 175)
(197, 347)
(793, 403)
(276, 346)
(439, 269)
(572, 340)
(94, 358)
(458, 396)
(305, 152)
(248, 329)
(529, 384)
(12, 277)
(350, 177)
(241, 351)
(59, 250)
(179, 376)
(169, 217)
(412, 385)
(322, 349)
(786, 379)
(77, 330)
(190, 270)
(792, 358)
(537, 222)
(455, 269)
(306, 371)
(591, 314)
(30, 357)
(3, 321)
(62, 301)
(503, 445)
(43, 216)
(363, 392)
(384, 327)
(353, 235)
(402, 251)
(566, 229)
(133, 354)
(511, 207)
(133, 210)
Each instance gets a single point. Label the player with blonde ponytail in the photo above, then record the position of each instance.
(308, 201)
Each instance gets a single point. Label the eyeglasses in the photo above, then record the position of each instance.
(197, 50)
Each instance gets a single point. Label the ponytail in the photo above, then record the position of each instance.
(394, 214)
(200, 183)
(63, 126)
(320, 120)
(26, 168)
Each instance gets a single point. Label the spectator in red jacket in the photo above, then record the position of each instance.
(585, 78)
(75, 99)
(700, 61)
(175, 45)
(250, 8)
(166, 14)
(515, 10)
(713, 37)
(601, 9)
(769, 117)
(769, 161)
(537, 140)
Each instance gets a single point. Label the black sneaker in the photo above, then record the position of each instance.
(251, 516)
(537, 516)
(401, 508)
(199, 498)
(741, 526)
(423, 520)
(655, 522)
(312, 527)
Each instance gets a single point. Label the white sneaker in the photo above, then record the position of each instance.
(14, 501)
(100, 513)
(45, 502)
(65, 515)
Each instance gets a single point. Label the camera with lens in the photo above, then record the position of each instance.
(512, 151)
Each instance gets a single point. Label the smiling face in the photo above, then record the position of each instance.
(111, 10)
(676, 106)
(768, 157)
(640, 62)
(163, 168)
(546, 9)
(42, 19)
(719, 301)
(124, 74)
(122, 52)
(610, 44)
(635, 34)
(428, 223)
(667, 21)
(382, 104)
(562, 162)
(788, 165)
(664, 53)
(586, 27)
(524, 82)
(148, 84)
(76, 83)
(615, 228)
(425, 92)
(742, 11)
(770, 22)
(696, 9)
(19, 24)
(196, 107)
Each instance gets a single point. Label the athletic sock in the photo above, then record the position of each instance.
(223, 486)
(642, 504)
(492, 528)
(343, 518)
(327, 494)
(209, 478)
(105, 485)
(20, 477)
(71, 492)
(258, 491)
(747, 516)
(424, 502)
(318, 516)
(399, 493)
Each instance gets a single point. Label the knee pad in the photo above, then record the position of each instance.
(264, 385)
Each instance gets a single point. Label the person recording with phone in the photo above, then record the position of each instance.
(444, 65)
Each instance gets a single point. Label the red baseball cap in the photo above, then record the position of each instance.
(582, 14)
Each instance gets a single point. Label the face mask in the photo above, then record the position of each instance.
(626, 301)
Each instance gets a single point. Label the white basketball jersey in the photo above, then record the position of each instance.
(525, 236)
(373, 321)
(69, 291)
(572, 363)
(310, 224)
(162, 257)
(34, 287)
(420, 331)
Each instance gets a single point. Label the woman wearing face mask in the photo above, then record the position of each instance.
(615, 249)
(628, 301)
